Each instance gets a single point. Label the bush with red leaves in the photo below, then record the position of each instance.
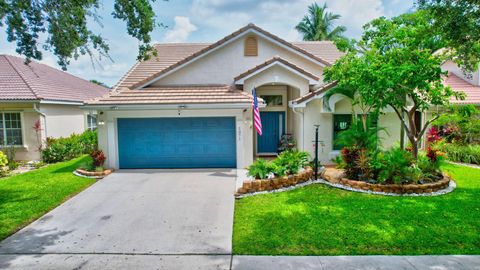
(350, 156)
(98, 158)
(433, 135)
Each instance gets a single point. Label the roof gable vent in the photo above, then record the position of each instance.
(251, 46)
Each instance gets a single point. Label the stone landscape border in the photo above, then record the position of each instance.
(277, 183)
(89, 174)
(336, 179)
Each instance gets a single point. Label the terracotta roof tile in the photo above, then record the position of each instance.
(36, 81)
(472, 92)
(323, 49)
(317, 92)
(173, 55)
(273, 60)
(167, 55)
(178, 94)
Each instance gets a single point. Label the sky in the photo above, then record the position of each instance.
(209, 21)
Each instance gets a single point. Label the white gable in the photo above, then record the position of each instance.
(224, 64)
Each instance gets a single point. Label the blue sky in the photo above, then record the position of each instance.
(210, 20)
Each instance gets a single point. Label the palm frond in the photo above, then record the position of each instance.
(317, 24)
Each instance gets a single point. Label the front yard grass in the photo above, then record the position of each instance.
(26, 197)
(321, 220)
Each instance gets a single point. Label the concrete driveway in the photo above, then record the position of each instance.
(137, 212)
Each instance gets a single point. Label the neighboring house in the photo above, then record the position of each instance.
(468, 83)
(191, 106)
(38, 94)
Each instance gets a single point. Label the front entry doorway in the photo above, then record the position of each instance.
(273, 127)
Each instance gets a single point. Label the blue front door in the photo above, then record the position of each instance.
(197, 142)
(273, 127)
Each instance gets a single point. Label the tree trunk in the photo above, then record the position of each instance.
(364, 121)
(402, 134)
(414, 143)
(402, 128)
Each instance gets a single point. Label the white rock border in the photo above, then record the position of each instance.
(451, 186)
(474, 166)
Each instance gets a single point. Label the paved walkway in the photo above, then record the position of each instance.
(226, 262)
(133, 212)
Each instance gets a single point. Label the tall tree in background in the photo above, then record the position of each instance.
(62, 27)
(458, 23)
(318, 24)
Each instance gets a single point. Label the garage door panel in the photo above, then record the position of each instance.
(177, 142)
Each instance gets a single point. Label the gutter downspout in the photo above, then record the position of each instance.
(303, 126)
(35, 108)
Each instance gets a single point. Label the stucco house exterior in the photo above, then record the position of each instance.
(36, 94)
(191, 105)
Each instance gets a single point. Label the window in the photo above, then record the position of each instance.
(91, 122)
(251, 46)
(273, 100)
(11, 128)
(342, 122)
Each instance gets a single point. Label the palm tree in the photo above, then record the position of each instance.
(318, 24)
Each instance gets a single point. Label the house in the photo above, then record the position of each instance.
(38, 95)
(468, 83)
(191, 105)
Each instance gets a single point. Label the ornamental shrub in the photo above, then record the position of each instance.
(3, 163)
(459, 124)
(460, 153)
(98, 158)
(61, 149)
(260, 169)
(394, 166)
(287, 162)
(349, 160)
(290, 162)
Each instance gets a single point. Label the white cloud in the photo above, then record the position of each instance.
(181, 30)
(280, 16)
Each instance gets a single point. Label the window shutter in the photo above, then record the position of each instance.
(251, 46)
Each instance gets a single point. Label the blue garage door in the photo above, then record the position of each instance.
(176, 142)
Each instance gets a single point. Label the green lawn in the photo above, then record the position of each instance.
(26, 197)
(320, 220)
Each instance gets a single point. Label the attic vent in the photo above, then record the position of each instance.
(251, 46)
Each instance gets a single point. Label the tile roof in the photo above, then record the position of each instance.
(326, 50)
(314, 93)
(173, 55)
(472, 92)
(36, 81)
(167, 54)
(175, 95)
(273, 60)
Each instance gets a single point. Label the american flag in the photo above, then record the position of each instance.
(257, 122)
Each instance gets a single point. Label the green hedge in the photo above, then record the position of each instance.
(461, 153)
(61, 149)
